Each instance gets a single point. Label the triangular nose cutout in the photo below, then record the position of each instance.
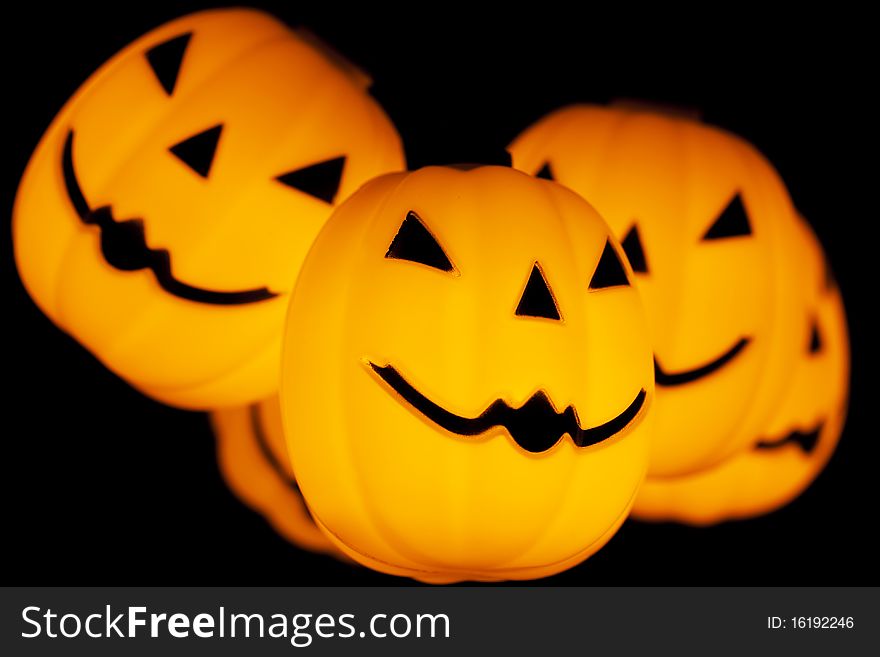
(197, 152)
(537, 299)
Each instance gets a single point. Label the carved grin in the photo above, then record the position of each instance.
(124, 246)
(536, 426)
(805, 440)
(663, 378)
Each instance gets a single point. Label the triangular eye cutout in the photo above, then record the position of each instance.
(197, 152)
(537, 299)
(815, 338)
(166, 58)
(320, 180)
(415, 243)
(545, 172)
(733, 222)
(632, 247)
(609, 272)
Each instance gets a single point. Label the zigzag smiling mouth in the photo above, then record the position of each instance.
(663, 378)
(535, 426)
(124, 246)
(806, 441)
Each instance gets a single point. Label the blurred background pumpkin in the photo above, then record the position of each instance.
(446, 82)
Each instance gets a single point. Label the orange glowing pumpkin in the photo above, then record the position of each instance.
(710, 231)
(163, 217)
(467, 379)
(792, 450)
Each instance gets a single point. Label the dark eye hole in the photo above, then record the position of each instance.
(537, 300)
(414, 242)
(545, 172)
(733, 222)
(609, 272)
(320, 180)
(816, 342)
(632, 247)
(165, 60)
(197, 152)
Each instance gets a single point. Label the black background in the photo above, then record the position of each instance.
(104, 486)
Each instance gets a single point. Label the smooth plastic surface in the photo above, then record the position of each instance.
(719, 265)
(179, 142)
(794, 447)
(396, 490)
(253, 460)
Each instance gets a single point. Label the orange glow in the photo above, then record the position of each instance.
(477, 289)
(253, 460)
(216, 143)
(780, 464)
(715, 227)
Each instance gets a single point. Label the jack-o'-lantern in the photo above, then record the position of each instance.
(794, 448)
(162, 219)
(466, 377)
(707, 225)
(253, 461)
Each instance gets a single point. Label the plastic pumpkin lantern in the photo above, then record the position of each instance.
(794, 448)
(253, 461)
(708, 227)
(467, 377)
(162, 219)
